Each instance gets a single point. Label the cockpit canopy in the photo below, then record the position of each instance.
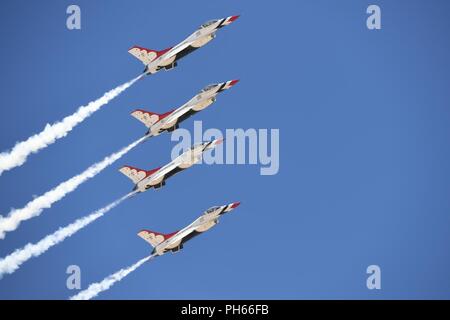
(208, 23)
(210, 86)
(212, 209)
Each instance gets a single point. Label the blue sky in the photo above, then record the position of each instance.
(364, 153)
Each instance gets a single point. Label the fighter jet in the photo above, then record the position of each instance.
(156, 178)
(167, 59)
(163, 243)
(169, 121)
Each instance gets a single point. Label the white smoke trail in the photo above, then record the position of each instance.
(94, 289)
(35, 207)
(19, 153)
(12, 262)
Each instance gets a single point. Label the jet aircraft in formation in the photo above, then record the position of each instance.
(156, 178)
(166, 59)
(174, 241)
(170, 121)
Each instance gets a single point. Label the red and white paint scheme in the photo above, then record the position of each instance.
(174, 241)
(156, 178)
(155, 60)
(169, 121)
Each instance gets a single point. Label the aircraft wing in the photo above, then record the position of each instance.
(177, 114)
(177, 49)
(169, 170)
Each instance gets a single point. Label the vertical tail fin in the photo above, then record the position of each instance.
(148, 118)
(153, 237)
(136, 174)
(146, 55)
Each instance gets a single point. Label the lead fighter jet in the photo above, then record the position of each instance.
(166, 59)
(163, 243)
(169, 121)
(156, 178)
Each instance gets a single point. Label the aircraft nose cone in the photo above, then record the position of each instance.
(233, 18)
(233, 82)
(235, 205)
